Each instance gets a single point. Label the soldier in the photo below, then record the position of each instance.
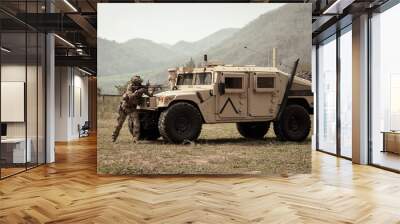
(128, 106)
(172, 78)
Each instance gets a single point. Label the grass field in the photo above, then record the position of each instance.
(219, 150)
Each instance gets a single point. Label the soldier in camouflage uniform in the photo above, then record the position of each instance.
(128, 106)
(172, 76)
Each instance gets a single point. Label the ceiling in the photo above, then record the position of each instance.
(75, 22)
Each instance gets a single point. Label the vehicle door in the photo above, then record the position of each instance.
(263, 94)
(232, 93)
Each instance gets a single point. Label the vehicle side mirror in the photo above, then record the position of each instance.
(221, 88)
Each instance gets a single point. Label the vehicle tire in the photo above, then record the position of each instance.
(253, 130)
(148, 126)
(294, 125)
(181, 121)
(279, 132)
(149, 134)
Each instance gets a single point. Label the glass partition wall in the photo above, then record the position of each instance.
(22, 98)
(327, 95)
(334, 94)
(385, 89)
(346, 95)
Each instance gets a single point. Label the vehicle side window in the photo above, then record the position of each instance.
(188, 79)
(180, 80)
(233, 82)
(203, 78)
(266, 82)
(185, 79)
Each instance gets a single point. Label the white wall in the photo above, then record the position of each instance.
(62, 81)
(71, 102)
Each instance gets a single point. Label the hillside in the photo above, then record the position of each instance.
(140, 54)
(194, 48)
(290, 34)
(286, 28)
(132, 56)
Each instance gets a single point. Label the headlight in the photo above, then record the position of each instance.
(164, 99)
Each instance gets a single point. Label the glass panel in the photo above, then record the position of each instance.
(31, 98)
(233, 82)
(327, 96)
(203, 79)
(41, 98)
(32, 88)
(265, 82)
(346, 94)
(314, 87)
(13, 86)
(385, 84)
(185, 79)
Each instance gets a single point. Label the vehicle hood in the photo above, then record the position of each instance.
(183, 92)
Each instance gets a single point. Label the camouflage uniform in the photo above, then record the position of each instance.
(128, 108)
(172, 76)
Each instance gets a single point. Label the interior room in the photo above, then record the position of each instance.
(48, 150)
(22, 100)
(385, 86)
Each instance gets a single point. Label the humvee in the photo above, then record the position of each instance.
(250, 96)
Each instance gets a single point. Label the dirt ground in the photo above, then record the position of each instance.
(219, 150)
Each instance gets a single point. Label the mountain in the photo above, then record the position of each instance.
(287, 28)
(132, 56)
(200, 46)
(166, 45)
(140, 54)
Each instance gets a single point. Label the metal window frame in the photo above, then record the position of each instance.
(340, 31)
(381, 9)
(386, 6)
(44, 75)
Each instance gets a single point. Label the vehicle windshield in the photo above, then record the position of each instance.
(185, 79)
(203, 78)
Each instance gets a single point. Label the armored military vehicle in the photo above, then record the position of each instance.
(250, 96)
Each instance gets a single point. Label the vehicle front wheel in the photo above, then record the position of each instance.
(181, 121)
(149, 134)
(253, 130)
(294, 124)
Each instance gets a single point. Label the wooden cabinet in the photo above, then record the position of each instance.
(391, 142)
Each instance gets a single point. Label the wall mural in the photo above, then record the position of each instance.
(204, 89)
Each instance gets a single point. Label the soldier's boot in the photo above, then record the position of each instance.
(120, 121)
(134, 127)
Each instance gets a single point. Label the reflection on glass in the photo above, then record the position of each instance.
(346, 94)
(23, 91)
(41, 98)
(386, 89)
(31, 97)
(14, 153)
(327, 96)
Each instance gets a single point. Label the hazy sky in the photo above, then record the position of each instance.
(169, 23)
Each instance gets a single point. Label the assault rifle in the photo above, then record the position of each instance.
(153, 88)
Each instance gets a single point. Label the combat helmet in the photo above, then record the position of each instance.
(136, 80)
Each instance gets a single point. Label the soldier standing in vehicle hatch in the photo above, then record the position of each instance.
(128, 108)
(172, 76)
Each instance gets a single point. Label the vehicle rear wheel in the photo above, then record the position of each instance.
(294, 125)
(181, 121)
(148, 125)
(149, 134)
(254, 130)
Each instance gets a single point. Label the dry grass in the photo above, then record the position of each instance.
(219, 150)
